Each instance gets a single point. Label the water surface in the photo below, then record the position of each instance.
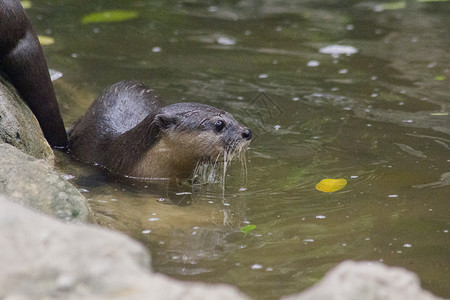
(342, 89)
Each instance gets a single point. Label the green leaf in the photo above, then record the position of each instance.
(432, 0)
(440, 77)
(247, 228)
(110, 16)
(393, 5)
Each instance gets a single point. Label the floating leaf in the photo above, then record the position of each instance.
(331, 185)
(110, 16)
(439, 114)
(247, 228)
(26, 4)
(390, 6)
(46, 40)
(439, 77)
(432, 0)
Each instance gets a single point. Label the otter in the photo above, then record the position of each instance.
(130, 131)
(22, 63)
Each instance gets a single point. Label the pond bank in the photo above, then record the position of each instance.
(43, 257)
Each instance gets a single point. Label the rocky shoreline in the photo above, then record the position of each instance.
(51, 248)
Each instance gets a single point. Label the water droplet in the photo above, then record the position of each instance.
(213, 9)
(183, 193)
(68, 176)
(338, 50)
(313, 63)
(226, 41)
(257, 267)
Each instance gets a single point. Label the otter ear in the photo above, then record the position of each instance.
(165, 121)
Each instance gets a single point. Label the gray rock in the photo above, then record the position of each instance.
(34, 183)
(19, 127)
(366, 280)
(43, 258)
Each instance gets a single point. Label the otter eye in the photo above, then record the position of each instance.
(219, 125)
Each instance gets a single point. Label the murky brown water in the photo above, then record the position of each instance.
(372, 110)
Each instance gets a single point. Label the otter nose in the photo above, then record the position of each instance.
(247, 134)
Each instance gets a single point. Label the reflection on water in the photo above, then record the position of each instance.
(352, 90)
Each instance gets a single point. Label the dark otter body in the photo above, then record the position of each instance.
(23, 64)
(129, 130)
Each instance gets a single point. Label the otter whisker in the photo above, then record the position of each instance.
(211, 171)
(225, 166)
(243, 161)
(205, 170)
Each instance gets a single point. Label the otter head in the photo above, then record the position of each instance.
(193, 134)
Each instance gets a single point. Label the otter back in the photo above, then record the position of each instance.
(120, 108)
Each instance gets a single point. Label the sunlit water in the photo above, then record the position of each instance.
(354, 91)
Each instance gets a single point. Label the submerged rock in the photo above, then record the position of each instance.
(43, 258)
(366, 280)
(34, 183)
(19, 127)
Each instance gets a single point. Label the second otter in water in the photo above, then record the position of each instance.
(130, 131)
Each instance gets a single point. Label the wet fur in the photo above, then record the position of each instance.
(130, 131)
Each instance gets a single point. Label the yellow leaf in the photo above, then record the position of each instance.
(331, 185)
(26, 4)
(46, 40)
